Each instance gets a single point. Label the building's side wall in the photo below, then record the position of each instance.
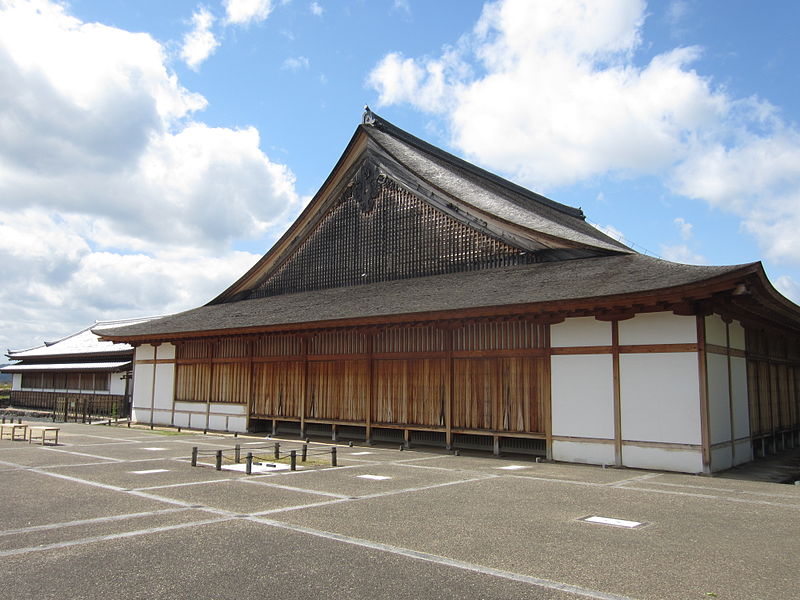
(627, 392)
(154, 384)
(16, 381)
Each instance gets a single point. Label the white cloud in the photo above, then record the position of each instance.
(316, 9)
(552, 94)
(295, 63)
(558, 98)
(684, 227)
(612, 231)
(114, 200)
(199, 43)
(244, 12)
(681, 253)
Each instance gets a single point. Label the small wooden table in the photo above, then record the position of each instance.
(13, 427)
(42, 433)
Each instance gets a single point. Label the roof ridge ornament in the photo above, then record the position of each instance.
(368, 118)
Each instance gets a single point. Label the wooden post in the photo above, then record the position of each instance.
(293, 460)
(333, 456)
(237, 453)
(249, 467)
(615, 369)
(448, 407)
(277, 451)
(219, 460)
(702, 367)
(194, 456)
(304, 454)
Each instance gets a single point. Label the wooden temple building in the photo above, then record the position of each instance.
(77, 373)
(421, 299)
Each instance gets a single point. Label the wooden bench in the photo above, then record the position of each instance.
(13, 428)
(42, 432)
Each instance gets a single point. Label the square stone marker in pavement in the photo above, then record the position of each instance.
(122, 474)
(346, 481)
(240, 497)
(28, 499)
(70, 531)
(242, 559)
(689, 546)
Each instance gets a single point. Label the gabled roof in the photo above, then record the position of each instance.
(84, 343)
(470, 195)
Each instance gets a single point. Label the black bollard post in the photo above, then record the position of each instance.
(293, 460)
(277, 451)
(219, 460)
(237, 453)
(194, 456)
(333, 456)
(249, 468)
(304, 454)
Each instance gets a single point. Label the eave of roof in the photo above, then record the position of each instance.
(77, 366)
(592, 281)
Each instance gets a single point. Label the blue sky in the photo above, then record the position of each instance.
(151, 151)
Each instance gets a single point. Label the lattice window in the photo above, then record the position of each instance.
(398, 236)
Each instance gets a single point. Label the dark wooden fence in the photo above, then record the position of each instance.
(72, 406)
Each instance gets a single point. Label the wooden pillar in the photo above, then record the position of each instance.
(545, 380)
(371, 389)
(304, 400)
(731, 407)
(448, 410)
(617, 393)
(153, 387)
(702, 370)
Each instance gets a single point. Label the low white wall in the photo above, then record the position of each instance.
(213, 416)
(686, 460)
(583, 452)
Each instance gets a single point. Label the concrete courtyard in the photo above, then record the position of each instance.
(118, 513)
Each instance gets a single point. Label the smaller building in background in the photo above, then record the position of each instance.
(78, 373)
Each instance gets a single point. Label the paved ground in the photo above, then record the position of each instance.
(118, 513)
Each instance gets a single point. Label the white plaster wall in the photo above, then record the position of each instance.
(142, 385)
(140, 415)
(181, 420)
(226, 423)
(719, 409)
(665, 459)
(166, 351)
(716, 330)
(144, 352)
(165, 386)
(658, 328)
(660, 397)
(721, 458)
(581, 331)
(191, 406)
(16, 381)
(741, 409)
(583, 452)
(162, 417)
(117, 384)
(737, 336)
(582, 389)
